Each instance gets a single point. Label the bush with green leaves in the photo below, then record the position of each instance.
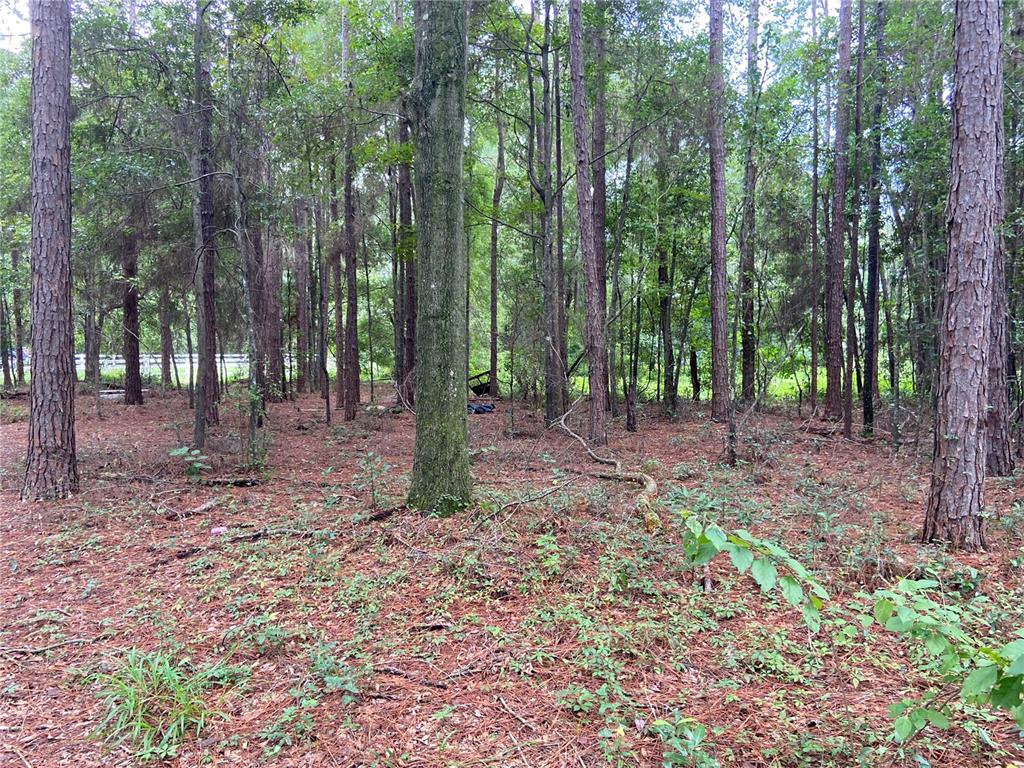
(987, 673)
(154, 702)
(683, 738)
(194, 459)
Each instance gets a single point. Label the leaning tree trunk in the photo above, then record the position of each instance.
(837, 231)
(716, 146)
(51, 469)
(440, 475)
(206, 247)
(973, 214)
(593, 289)
(130, 312)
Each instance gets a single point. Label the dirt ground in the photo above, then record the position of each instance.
(552, 632)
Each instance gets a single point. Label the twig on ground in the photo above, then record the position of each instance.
(29, 651)
(516, 715)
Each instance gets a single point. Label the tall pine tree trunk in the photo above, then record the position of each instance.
(593, 289)
(747, 232)
(51, 469)
(440, 476)
(815, 275)
(837, 230)
(954, 514)
(720, 396)
(851, 287)
(870, 388)
(499, 185)
(19, 325)
(206, 248)
(130, 312)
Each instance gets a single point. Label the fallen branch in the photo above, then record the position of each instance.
(173, 514)
(29, 651)
(650, 487)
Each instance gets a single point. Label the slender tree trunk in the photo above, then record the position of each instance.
(369, 315)
(592, 288)
(720, 396)
(694, 374)
(815, 276)
(302, 294)
(870, 390)
(274, 347)
(19, 326)
(51, 469)
(130, 311)
(973, 213)
(5, 343)
(837, 230)
(499, 185)
(191, 351)
(851, 290)
(205, 243)
(166, 346)
(337, 248)
(598, 163)
(747, 234)
(440, 476)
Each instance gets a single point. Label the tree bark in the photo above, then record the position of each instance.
(51, 469)
(815, 277)
(166, 344)
(499, 185)
(837, 230)
(593, 289)
(440, 477)
(747, 230)
(302, 294)
(19, 325)
(973, 216)
(870, 389)
(130, 312)
(854, 272)
(720, 396)
(205, 240)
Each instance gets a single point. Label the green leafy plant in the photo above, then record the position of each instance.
(194, 460)
(986, 674)
(295, 725)
(683, 738)
(154, 702)
(332, 673)
(372, 470)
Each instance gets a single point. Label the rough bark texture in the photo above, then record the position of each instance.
(51, 469)
(440, 478)
(973, 218)
(351, 287)
(205, 241)
(130, 312)
(598, 165)
(870, 389)
(747, 230)
(716, 148)
(999, 458)
(593, 289)
(837, 230)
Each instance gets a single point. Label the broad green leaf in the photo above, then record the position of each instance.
(980, 681)
(741, 558)
(791, 590)
(764, 573)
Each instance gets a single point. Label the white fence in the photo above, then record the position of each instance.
(150, 364)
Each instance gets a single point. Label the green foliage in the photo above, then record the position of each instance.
(683, 738)
(194, 460)
(295, 724)
(372, 472)
(986, 674)
(153, 702)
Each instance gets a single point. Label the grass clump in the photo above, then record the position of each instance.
(153, 702)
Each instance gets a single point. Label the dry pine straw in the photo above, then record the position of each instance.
(116, 567)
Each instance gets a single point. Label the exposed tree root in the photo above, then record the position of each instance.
(649, 487)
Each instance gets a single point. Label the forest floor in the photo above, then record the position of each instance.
(311, 621)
